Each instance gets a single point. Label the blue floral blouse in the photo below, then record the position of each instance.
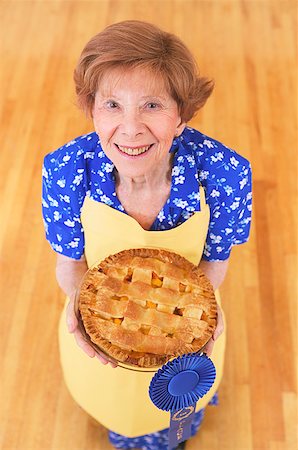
(81, 168)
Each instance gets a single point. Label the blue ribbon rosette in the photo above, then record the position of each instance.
(177, 387)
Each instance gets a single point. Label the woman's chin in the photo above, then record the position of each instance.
(126, 170)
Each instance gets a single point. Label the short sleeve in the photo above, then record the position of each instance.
(63, 193)
(226, 177)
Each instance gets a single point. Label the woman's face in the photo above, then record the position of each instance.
(136, 120)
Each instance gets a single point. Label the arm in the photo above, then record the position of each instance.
(216, 272)
(69, 273)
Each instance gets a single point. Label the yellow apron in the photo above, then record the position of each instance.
(116, 397)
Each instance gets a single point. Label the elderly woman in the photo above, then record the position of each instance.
(143, 178)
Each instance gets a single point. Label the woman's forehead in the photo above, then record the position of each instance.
(141, 79)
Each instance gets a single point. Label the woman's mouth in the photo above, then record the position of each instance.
(134, 151)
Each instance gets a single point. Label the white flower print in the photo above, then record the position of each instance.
(56, 247)
(88, 155)
(66, 158)
(44, 203)
(234, 161)
(228, 190)
(161, 216)
(207, 249)
(61, 182)
(65, 198)
(217, 157)
(175, 170)
(69, 144)
(208, 143)
(74, 243)
(57, 216)
(215, 193)
(105, 199)
(52, 201)
(44, 172)
(194, 196)
(215, 239)
(187, 214)
(235, 204)
(204, 174)
(69, 223)
(190, 159)
(242, 183)
(179, 180)
(107, 167)
(77, 179)
(179, 202)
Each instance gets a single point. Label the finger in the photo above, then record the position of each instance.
(209, 347)
(114, 365)
(104, 361)
(101, 359)
(71, 320)
(83, 344)
(220, 324)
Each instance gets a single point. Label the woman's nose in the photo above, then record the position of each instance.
(132, 124)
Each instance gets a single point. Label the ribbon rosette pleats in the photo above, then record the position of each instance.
(177, 386)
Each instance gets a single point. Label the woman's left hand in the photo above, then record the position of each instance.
(217, 332)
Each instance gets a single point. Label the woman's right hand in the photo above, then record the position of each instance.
(69, 273)
(72, 325)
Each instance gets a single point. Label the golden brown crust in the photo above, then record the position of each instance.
(145, 306)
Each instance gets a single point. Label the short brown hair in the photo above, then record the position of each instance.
(131, 44)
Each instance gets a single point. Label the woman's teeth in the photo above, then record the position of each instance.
(134, 151)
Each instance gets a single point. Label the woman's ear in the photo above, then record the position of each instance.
(180, 128)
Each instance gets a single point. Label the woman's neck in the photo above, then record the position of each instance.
(148, 181)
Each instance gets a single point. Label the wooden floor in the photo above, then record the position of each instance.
(249, 48)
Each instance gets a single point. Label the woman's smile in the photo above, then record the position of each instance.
(134, 151)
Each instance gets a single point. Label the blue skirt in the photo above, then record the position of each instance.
(158, 440)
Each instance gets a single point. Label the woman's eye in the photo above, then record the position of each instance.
(111, 104)
(152, 105)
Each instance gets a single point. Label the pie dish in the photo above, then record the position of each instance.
(145, 306)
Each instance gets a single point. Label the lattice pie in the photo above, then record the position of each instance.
(144, 306)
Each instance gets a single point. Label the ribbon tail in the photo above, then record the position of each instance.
(180, 425)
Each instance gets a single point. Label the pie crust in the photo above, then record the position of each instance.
(145, 306)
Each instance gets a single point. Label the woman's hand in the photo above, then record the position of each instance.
(215, 272)
(69, 273)
(72, 325)
(217, 332)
